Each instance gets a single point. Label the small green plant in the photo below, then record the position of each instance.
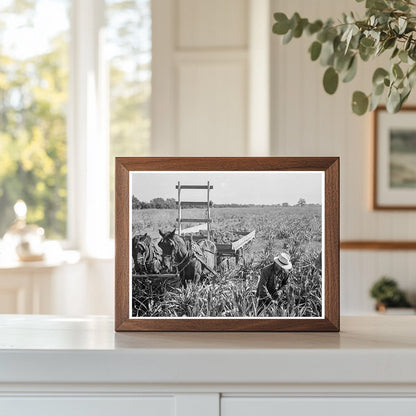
(389, 26)
(388, 294)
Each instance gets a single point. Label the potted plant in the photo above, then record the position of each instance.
(387, 294)
(389, 27)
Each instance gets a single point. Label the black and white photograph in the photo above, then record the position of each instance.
(226, 244)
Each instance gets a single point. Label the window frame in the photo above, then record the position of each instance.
(87, 133)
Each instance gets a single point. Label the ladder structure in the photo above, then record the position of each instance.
(204, 223)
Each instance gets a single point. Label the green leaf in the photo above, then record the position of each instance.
(393, 101)
(288, 37)
(355, 41)
(400, 5)
(359, 103)
(327, 53)
(402, 24)
(412, 52)
(341, 61)
(314, 27)
(330, 80)
(397, 71)
(374, 102)
(315, 50)
(294, 20)
(378, 89)
(366, 48)
(389, 43)
(403, 56)
(403, 96)
(412, 70)
(366, 53)
(395, 52)
(351, 71)
(411, 76)
(367, 42)
(281, 27)
(348, 34)
(376, 4)
(298, 30)
(379, 75)
(408, 42)
(322, 36)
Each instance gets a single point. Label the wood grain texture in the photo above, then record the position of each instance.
(329, 165)
(332, 226)
(378, 245)
(122, 244)
(376, 204)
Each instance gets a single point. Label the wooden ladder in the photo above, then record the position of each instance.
(206, 222)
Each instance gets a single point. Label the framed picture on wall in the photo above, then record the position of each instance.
(227, 244)
(394, 179)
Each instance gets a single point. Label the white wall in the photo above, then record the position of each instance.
(211, 92)
(202, 83)
(308, 122)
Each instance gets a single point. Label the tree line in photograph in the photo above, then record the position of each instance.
(170, 203)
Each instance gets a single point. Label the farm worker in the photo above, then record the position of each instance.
(272, 279)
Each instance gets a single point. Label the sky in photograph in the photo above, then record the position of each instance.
(266, 188)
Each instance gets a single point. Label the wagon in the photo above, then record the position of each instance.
(236, 248)
(213, 253)
(203, 230)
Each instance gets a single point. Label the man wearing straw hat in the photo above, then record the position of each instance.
(272, 279)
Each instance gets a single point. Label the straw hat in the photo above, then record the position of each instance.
(283, 260)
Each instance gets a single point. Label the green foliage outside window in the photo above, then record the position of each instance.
(34, 103)
(129, 39)
(33, 99)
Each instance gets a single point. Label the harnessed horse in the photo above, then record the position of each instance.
(146, 255)
(177, 257)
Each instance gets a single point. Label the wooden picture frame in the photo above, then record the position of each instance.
(394, 184)
(140, 171)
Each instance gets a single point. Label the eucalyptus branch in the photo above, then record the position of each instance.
(390, 25)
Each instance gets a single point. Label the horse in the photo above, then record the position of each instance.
(147, 257)
(178, 257)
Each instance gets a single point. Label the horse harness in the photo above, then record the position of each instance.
(149, 255)
(181, 265)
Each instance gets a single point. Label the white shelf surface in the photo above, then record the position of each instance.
(53, 349)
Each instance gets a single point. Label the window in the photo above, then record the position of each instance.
(75, 87)
(129, 43)
(33, 103)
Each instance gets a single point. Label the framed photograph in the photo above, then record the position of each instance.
(227, 244)
(395, 159)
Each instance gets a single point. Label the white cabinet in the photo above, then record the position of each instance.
(88, 406)
(271, 406)
(80, 366)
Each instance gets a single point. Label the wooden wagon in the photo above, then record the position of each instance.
(203, 230)
(236, 248)
(201, 233)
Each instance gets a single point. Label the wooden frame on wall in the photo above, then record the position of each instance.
(390, 193)
(127, 169)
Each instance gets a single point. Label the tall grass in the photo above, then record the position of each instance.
(295, 230)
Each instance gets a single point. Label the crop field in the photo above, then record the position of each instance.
(296, 230)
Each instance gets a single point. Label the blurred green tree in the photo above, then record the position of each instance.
(129, 42)
(33, 97)
(34, 100)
